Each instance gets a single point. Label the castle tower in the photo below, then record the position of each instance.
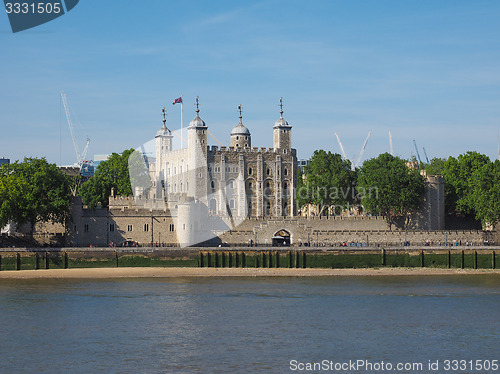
(240, 135)
(282, 132)
(163, 147)
(197, 151)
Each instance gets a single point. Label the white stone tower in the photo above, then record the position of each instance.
(282, 132)
(197, 166)
(163, 147)
(240, 135)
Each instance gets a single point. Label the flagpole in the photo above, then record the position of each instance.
(182, 113)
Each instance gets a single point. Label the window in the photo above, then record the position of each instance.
(212, 184)
(175, 170)
(286, 171)
(172, 227)
(285, 185)
(112, 227)
(146, 227)
(129, 228)
(231, 204)
(86, 228)
(250, 171)
(237, 138)
(268, 171)
(250, 185)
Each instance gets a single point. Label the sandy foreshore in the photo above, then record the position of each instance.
(103, 273)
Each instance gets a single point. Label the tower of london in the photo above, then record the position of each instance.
(238, 181)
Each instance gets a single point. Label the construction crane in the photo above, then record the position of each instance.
(362, 150)
(80, 157)
(341, 147)
(390, 143)
(418, 154)
(425, 153)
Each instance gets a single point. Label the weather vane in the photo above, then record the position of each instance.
(240, 108)
(197, 104)
(281, 106)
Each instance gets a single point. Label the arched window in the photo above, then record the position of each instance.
(231, 203)
(231, 185)
(213, 184)
(250, 171)
(286, 171)
(268, 171)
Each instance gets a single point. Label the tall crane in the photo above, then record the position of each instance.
(362, 150)
(341, 147)
(390, 143)
(425, 153)
(80, 157)
(418, 154)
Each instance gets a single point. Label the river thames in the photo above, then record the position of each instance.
(250, 325)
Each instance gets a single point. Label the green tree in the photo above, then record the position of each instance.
(34, 191)
(328, 181)
(458, 174)
(111, 173)
(436, 166)
(388, 187)
(486, 193)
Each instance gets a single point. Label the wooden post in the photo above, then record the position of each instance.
(422, 259)
(297, 259)
(18, 261)
(493, 260)
(290, 259)
(277, 259)
(304, 260)
(463, 259)
(209, 259)
(475, 259)
(37, 261)
(47, 265)
(243, 260)
(65, 260)
(383, 257)
(449, 259)
(116, 257)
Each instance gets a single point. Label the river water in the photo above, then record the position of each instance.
(248, 325)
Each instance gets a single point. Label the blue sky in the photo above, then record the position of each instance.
(425, 70)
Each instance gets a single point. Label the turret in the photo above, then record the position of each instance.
(282, 132)
(240, 135)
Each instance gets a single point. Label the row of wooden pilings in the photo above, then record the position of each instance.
(260, 259)
(462, 259)
(42, 261)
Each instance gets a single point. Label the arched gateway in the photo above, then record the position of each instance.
(281, 238)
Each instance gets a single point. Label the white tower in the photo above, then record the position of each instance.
(197, 148)
(240, 135)
(282, 132)
(163, 147)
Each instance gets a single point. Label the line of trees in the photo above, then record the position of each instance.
(385, 185)
(472, 185)
(111, 173)
(34, 191)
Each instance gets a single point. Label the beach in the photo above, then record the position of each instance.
(170, 272)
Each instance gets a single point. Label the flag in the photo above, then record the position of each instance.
(177, 101)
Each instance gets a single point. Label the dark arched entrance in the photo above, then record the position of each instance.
(281, 239)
